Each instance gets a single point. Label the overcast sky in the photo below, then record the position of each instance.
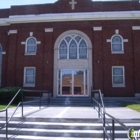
(8, 3)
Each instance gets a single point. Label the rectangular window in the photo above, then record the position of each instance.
(29, 76)
(118, 76)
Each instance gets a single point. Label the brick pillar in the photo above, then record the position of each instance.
(97, 59)
(136, 47)
(11, 69)
(48, 60)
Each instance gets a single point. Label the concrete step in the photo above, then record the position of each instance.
(68, 126)
(55, 132)
(53, 125)
(21, 137)
(47, 127)
(71, 101)
(63, 101)
(63, 128)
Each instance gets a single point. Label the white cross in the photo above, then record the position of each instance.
(73, 2)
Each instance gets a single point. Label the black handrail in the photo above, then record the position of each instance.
(21, 103)
(6, 111)
(102, 114)
(11, 101)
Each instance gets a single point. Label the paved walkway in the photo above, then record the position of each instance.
(74, 112)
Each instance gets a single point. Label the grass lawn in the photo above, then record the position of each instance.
(133, 106)
(3, 106)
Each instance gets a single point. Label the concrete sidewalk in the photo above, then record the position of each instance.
(73, 112)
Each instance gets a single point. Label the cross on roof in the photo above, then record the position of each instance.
(73, 2)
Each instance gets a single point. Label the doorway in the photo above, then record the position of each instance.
(72, 82)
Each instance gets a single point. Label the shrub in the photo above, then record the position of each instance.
(7, 93)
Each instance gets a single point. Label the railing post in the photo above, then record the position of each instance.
(22, 105)
(40, 101)
(91, 95)
(99, 111)
(6, 123)
(113, 129)
(94, 104)
(104, 124)
(49, 98)
(99, 98)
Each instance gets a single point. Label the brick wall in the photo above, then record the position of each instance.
(15, 59)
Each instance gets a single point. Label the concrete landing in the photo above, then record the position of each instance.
(111, 105)
(56, 112)
(73, 112)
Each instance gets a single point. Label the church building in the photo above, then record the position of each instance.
(71, 47)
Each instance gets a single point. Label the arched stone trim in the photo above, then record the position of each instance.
(73, 32)
(75, 63)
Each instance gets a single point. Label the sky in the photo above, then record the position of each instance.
(8, 3)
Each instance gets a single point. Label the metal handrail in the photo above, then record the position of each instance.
(6, 111)
(103, 115)
(11, 101)
(20, 103)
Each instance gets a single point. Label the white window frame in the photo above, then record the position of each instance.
(26, 46)
(1, 64)
(24, 82)
(117, 52)
(118, 85)
(78, 46)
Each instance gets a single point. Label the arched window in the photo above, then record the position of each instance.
(31, 46)
(117, 44)
(73, 47)
(0, 63)
(73, 50)
(63, 50)
(83, 50)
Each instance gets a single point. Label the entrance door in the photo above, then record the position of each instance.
(73, 82)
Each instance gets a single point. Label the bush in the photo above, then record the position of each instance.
(7, 93)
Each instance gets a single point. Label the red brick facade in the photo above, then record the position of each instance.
(14, 61)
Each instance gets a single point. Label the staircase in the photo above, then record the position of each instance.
(61, 129)
(71, 101)
(53, 129)
(62, 101)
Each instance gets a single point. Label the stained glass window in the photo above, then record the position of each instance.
(63, 50)
(73, 47)
(83, 50)
(73, 50)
